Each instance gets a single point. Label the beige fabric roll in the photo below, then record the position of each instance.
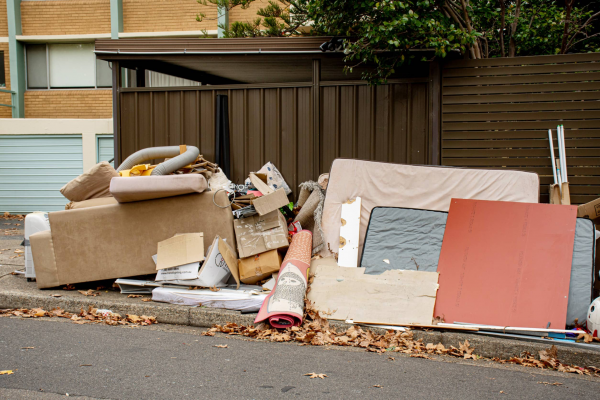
(139, 188)
(101, 201)
(311, 200)
(91, 184)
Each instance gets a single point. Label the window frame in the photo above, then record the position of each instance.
(48, 87)
(3, 74)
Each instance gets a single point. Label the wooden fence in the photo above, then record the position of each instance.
(496, 114)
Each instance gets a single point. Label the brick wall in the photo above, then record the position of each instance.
(3, 20)
(65, 17)
(249, 14)
(68, 103)
(166, 15)
(5, 98)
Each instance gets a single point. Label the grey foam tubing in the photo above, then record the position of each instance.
(166, 167)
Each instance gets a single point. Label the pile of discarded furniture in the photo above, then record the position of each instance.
(387, 244)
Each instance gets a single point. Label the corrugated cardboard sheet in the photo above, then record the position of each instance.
(506, 264)
(257, 234)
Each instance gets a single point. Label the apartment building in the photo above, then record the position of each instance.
(56, 98)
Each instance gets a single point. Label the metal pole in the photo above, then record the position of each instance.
(564, 152)
(552, 155)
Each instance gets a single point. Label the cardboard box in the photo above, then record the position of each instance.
(118, 241)
(257, 234)
(270, 200)
(219, 265)
(179, 250)
(590, 210)
(258, 267)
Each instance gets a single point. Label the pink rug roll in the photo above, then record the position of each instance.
(284, 307)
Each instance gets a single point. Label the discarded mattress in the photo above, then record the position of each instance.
(407, 237)
(126, 190)
(422, 187)
(247, 298)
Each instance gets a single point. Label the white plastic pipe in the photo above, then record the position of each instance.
(560, 152)
(564, 152)
(552, 156)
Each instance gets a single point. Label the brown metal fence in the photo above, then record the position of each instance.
(276, 123)
(496, 114)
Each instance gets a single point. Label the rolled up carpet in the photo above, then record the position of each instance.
(284, 307)
(126, 190)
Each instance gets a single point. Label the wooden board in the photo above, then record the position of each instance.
(393, 298)
(506, 264)
(349, 233)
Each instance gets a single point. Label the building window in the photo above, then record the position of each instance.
(2, 74)
(64, 66)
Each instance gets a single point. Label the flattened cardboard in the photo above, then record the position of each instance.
(394, 297)
(506, 264)
(257, 234)
(230, 259)
(258, 267)
(179, 250)
(590, 210)
(181, 272)
(270, 202)
(260, 184)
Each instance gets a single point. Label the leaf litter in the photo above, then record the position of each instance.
(316, 331)
(313, 375)
(91, 316)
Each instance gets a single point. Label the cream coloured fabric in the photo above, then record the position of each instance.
(138, 188)
(412, 186)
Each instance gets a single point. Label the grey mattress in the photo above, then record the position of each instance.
(411, 239)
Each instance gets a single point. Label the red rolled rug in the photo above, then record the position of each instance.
(284, 307)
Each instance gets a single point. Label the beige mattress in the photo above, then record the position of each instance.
(412, 186)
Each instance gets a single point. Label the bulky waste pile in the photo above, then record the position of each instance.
(400, 247)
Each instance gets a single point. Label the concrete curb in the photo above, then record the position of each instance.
(486, 346)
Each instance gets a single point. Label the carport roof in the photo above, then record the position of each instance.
(297, 45)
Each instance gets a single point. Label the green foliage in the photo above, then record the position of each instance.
(386, 30)
(383, 33)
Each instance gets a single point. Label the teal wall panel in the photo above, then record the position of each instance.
(33, 168)
(105, 148)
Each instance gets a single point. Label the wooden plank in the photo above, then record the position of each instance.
(530, 143)
(531, 161)
(477, 126)
(519, 98)
(525, 134)
(522, 70)
(531, 60)
(522, 116)
(512, 79)
(548, 106)
(349, 233)
(533, 88)
(517, 153)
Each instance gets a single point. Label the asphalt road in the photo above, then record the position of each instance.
(170, 362)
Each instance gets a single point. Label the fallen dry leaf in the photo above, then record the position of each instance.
(221, 346)
(89, 292)
(7, 372)
(55, 295)
(134, 296)
(214, 289)
(147, 299)
(69, 287)
(315, 375)
(551, 383)
(377, 386)
(27, 348)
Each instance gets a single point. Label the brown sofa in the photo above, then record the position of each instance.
(118, 240)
